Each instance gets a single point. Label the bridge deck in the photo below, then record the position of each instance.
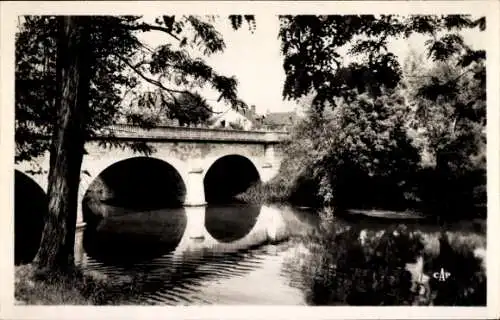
(171, 133)
(192, 134)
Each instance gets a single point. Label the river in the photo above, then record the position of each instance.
(232, 254)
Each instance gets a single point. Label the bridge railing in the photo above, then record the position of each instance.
(124, 131)
(192, 134)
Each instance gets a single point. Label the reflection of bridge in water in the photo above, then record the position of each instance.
(176, 253)
(130, 237)
(268, 225)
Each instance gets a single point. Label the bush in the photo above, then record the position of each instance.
(355, 153)
(261, 193)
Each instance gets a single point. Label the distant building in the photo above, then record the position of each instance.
(248, 119)
(280, 120)
(245, 119)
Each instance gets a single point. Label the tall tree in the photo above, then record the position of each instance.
(190, 108)
(71, 74)
(315, 50)
(449, 113)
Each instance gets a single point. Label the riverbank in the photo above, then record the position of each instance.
(77, 288)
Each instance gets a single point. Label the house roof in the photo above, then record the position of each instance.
(280, 118)
(229, 113)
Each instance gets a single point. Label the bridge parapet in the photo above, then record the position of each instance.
(192, 134)
(173, 133)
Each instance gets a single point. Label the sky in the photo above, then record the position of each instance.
(255, 60)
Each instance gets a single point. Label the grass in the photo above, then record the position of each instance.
(77, 288)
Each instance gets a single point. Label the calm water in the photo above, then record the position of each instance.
(234, 254)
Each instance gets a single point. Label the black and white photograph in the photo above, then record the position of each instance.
(166, 156)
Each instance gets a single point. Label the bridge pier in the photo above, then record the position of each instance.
(195, 228)
(269, 167)
(195, 191)
(80, 227)
(79, 251)
(269, 153)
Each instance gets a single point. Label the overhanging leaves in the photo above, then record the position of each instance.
(115, 50)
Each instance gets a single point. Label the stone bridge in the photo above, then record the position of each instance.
(190, 166)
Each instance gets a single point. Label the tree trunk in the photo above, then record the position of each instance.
(56, 252)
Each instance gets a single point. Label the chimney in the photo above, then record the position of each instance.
(252, 108)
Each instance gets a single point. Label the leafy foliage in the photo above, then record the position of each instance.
(343, 155)
(71, 76)
(449, 112)
(373, 122)
(190, 109)
(312, 46)
(237, 21)
(120, 61)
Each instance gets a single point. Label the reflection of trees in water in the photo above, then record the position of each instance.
(140, 183)
(360, 265)
(340, 270)
(30, 207)
(132, 237)
(230, 223)
(467, 285)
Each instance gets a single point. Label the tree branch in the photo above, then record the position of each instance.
(451, 80)
(462, 74)
(158, 83)
(147, 27)
(152, 81)
(141, 63)
(139, 43)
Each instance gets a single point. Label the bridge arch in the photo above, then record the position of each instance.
(30, 209)
(228, 175)
(97, 161)
(135, 182)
